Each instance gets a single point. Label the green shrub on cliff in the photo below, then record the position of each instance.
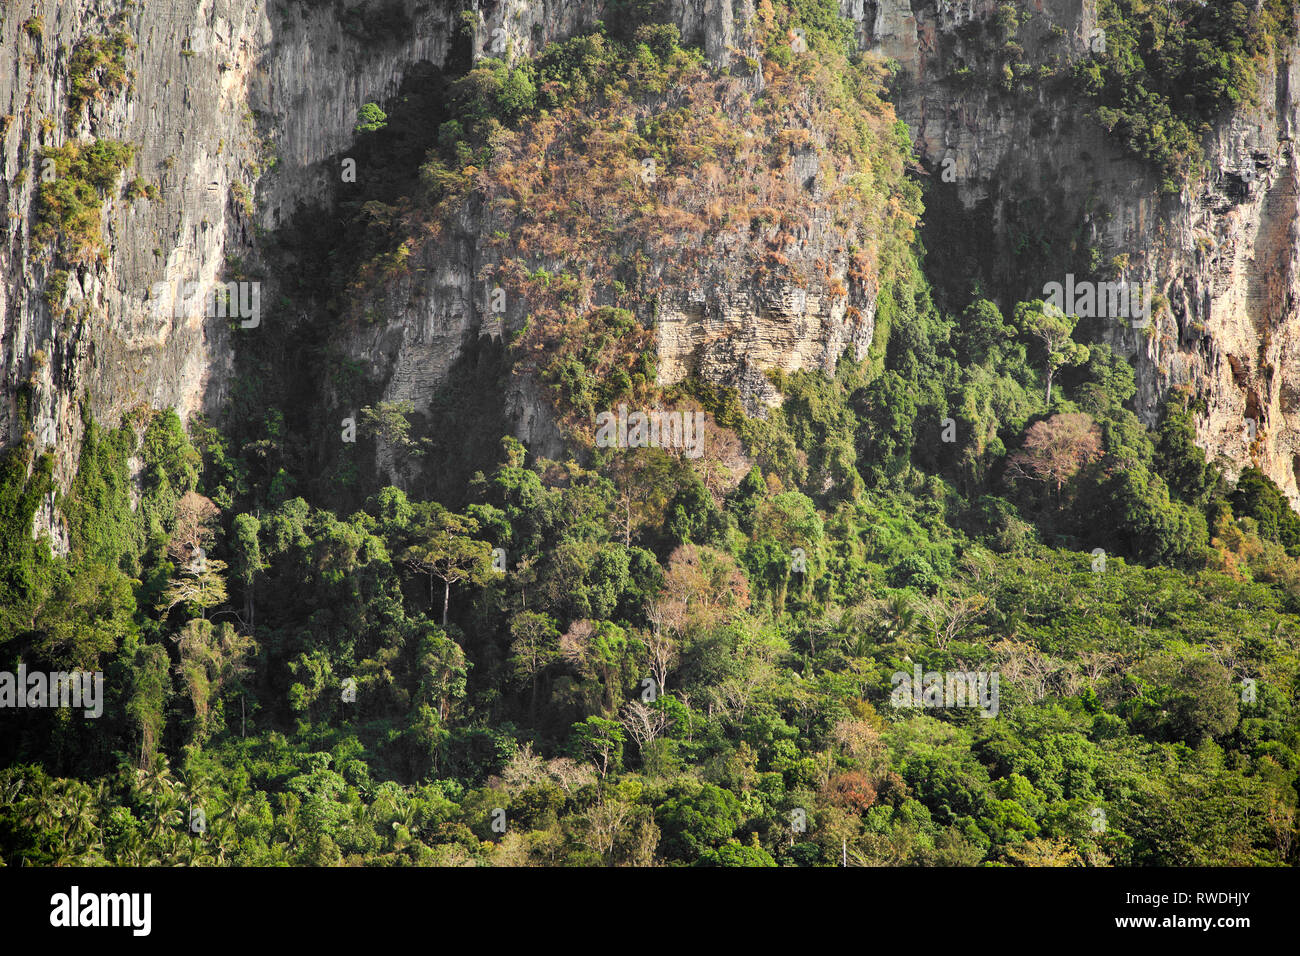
(97, 64)
(68, 207)
(1160, 73)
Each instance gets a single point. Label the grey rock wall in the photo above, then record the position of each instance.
(234, 95)
(1223, 251)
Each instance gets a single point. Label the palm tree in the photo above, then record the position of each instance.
(167, 816)
(47, 808)
(406, 818)
(132, 851)
(219, 838)
(79, 814)
(194, 793)
(289, 819)
(240, 806)
(168, 845)
(10, 788)
(155, 784)
(62, 855)
(195, 851)
(899, 617)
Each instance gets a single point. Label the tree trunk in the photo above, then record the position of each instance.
(446, 599)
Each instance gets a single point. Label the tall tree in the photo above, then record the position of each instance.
(534, 645)
(445, 550)
(1056, 449)
(1052, 328)
(246, 559)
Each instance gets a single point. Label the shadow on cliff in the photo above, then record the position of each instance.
(297, 386)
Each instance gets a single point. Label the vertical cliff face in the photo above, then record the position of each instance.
(755, 242)
(238, 111)
(193, 140)
(229, 105)
(1221, 252)
(774, 281)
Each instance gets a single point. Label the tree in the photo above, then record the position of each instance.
(602, 825)
(1109, 381)
(1056, 449)
(389, 423)
(1180, 461)
(534, 646)
(643, 722)
(600, 741)
(788, 521)
(706, 584)
(148, 697)
(645, 482)
(948, 619)
(887, 410)
(199, 580)
(743, 502)
(200, 585)
(192, 531)
(1150, 523)
(852, 790)
(1190, 697)
(733, 853)
(667, 621)
(370, 119)
(697, 818)
(212, 658)
(897, 617)
(444, 550)
(429, 733)
(983, 331)
(703, 588)
(88, 614)
(443, 672)
(314, 672)
(1052, 328)
(1256, 496)
(692, 514)
(246, 558)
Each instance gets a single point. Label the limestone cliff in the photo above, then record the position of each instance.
(239, 110)
(1222, 251)
(229, 104)
(236, 110)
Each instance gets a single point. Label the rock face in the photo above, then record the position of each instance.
(730, 334)
(755, 258)
(228, 100)
(745, 272)
(239, 99)
(186, 117)
(1222, 252)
